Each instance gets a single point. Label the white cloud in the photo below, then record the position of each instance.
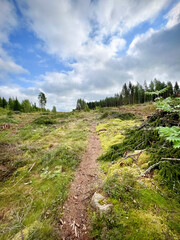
(132, 50)
(173, 16)
(10, 67)
(65, 26)
(8, 22)
(121, 16)
(93, 80)
(13, 90)
(93, 33)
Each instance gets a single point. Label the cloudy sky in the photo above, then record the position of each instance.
(88, 49)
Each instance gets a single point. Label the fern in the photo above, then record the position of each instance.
(157, 93)
(169, 104)
(171, 134)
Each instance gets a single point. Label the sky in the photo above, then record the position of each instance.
(88, 49)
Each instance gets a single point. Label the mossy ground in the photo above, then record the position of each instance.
(38, 158)
(37, 162)
(143, 207)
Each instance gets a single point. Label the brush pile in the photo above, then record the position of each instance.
(148, 136)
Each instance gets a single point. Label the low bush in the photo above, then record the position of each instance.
(44, 120)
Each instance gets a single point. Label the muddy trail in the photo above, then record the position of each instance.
(75, 224)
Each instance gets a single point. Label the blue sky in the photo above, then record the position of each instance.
(85, 49)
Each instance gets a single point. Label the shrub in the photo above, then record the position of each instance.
(44, 120)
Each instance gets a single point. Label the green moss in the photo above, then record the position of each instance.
(44, 160)
(143, 207)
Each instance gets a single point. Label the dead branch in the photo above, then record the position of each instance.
(133, 156)
(31, 167)
(156, 164)
(170, 159)
(139, 144)
(149, 169)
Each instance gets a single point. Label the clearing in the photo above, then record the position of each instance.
(49, 172)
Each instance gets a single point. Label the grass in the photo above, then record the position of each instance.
(40, 160)
(144, 208)
(37, 165)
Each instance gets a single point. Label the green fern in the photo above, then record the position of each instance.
(157, 93)
(169, 104)
(171, 134)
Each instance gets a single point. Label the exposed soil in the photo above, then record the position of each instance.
(75, 224)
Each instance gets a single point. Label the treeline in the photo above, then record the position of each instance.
(26, 106)
(135, 94)
(15, 105)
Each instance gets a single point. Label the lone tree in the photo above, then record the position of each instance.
(54, 109)
(42, 100)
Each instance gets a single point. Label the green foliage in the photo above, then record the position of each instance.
(42, 100)
(54, 109)
(3, 111)
(44, 120)
(81, 105)
(61, 156)
(135, 94)
(7, 120)
(170, 174)
(26, 106)
(125, 116)
(104, 115)
(148, 137)
(122, 116)
(169, 104)
(171, 134)
(38, 163)
(120, 187)
(157, 93)
(142, 207)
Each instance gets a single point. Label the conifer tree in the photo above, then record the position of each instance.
(17, 105)
(176, 88)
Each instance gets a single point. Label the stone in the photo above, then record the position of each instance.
(101, 208)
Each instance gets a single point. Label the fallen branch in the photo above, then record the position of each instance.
(170, 159)
(149, 169)
(133, 156)
(31, 167)
(156, 164)
(139, 144)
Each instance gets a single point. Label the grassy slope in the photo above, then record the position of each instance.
(37, 162)
(143, 209)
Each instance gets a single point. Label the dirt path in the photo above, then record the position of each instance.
(75, 219)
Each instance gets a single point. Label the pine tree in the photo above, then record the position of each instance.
(125, 94)
(1, 103)
(176, 88)
(4, 103)
(11, 104)
(17, 105)
(170, 90)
